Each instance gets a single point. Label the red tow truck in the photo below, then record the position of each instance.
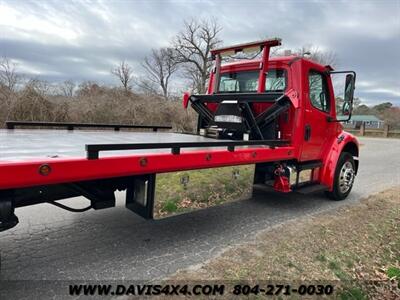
(270, 121)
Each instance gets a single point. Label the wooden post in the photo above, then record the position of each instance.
(362, 129)
(386, 130)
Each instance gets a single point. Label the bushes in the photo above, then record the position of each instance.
(93, 104)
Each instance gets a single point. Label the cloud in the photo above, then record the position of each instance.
(60, 40)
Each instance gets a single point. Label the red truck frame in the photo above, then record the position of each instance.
(282, 132)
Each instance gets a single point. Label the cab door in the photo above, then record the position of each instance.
(317, 109)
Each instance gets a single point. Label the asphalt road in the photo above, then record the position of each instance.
(110, 244)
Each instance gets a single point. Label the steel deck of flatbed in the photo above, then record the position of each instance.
(26, 144)
(23, 152)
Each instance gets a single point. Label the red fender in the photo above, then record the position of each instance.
(343, 140)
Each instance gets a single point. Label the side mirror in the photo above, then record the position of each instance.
(349, 88)
(343, 96)
(348, 95)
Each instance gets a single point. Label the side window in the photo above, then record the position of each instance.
(276, 80)
(319, 95)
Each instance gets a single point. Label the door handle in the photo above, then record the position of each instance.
(307, 132)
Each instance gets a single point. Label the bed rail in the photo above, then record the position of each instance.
(72, 126)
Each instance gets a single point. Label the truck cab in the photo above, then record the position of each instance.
(288, 98)
(316, 105)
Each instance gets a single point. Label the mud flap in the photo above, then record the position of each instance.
(7, 217)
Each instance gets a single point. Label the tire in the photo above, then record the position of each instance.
(344, 177)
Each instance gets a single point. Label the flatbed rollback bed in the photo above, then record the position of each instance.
(259, 119)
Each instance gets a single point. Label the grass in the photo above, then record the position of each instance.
(170, 206)
(356, 248)
(336, 268)
(393, 273)
(321, 257)
(353, 293)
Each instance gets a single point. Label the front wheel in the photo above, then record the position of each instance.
(344, 177)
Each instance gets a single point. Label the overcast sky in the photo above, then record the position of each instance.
(82, 40)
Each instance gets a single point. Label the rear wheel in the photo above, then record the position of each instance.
(344, 177)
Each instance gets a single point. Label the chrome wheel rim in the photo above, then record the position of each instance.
(346, 177)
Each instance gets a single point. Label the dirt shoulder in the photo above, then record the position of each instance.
(357, 248)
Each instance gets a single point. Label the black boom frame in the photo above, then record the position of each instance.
(254, 125)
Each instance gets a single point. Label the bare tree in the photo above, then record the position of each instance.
(324, 57)
(193, 46)
(67, 88)
(38, 86)
(315, 53)
(160, 65)
(124, 74)
(8, 75)
(147, 86)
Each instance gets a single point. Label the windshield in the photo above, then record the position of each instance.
(247, 81)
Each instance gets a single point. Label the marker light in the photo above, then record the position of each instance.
(44, 170)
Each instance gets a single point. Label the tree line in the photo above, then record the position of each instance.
(188, 54)
(33, 99)
(385, 111)
(186, 58)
